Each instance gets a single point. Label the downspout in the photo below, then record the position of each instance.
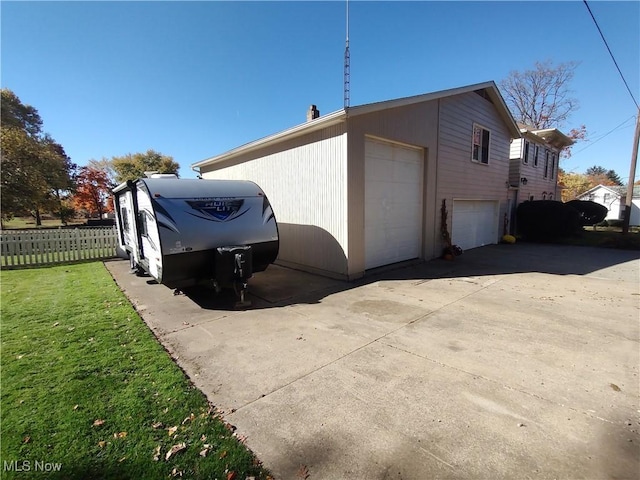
(197, 170)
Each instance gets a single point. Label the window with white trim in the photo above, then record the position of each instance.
(535, 155)
(481, 139)
(546, 163)
(525, 158)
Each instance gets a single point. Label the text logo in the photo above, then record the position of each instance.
(220, 209)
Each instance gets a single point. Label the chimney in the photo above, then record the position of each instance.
(312, 113)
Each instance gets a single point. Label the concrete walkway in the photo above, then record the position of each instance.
(510, 362)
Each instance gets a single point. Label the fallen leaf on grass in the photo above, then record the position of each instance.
(241, 438)
(175, 449)
(98, 423)
(231, 476)
(176, 473)
(156, 454)
(205, 450)
(188, 419)
(223, 454)
(303, 472)
(158, 425)
(102, 443)
(172, 431)
(75, 407)
(27, 439)
(56, 324)
(120, 435)
(122, 459)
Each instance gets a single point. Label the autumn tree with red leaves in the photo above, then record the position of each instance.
(93, 191)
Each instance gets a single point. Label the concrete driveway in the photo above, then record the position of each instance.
(513, 361)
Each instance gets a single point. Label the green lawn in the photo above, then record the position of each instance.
(608, 237)
(20, 223)
(88, 392)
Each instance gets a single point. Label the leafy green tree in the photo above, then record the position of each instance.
(133, 166)
(36, 172)
(600, 175)
(17, 115)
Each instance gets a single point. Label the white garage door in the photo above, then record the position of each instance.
(474, 223)
(393, 203)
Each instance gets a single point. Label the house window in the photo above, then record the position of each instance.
(605, 198)
(480, 145)
(551, 196)
(553, 165)
(546, 163)
(535, 156)
(525, 160)
(544, 195)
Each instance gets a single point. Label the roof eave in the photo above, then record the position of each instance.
(490, 87)
(554, 137)
(328, 120)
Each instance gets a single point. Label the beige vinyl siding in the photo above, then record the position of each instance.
(458, 177)
(515, 151)
(413, 125)
(537, 184)
(305, 181)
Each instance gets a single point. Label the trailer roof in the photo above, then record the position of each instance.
(200, 188)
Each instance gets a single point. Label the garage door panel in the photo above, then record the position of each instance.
(393, 203)
(474, 223)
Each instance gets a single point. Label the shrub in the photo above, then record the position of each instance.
(590, 212)
(616, 223)
(545, 220)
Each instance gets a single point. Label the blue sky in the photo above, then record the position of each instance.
(195, 79)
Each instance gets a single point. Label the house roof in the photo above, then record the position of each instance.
(620, 191)
(552, 136)
(488, 88)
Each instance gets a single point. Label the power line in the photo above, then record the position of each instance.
(605, 135)
(611, 53)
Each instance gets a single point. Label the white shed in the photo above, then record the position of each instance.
(363, 187)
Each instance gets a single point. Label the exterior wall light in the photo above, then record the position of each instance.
(524, 180)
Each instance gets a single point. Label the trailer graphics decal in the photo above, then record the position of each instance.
(219, 209)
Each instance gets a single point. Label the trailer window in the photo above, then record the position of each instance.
(143, 223)
(125, 218)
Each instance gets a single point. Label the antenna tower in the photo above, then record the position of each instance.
(347, 66)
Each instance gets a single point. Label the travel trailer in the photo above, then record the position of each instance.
(184, 232)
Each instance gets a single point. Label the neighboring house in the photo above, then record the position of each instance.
(615, 198)
(534, 163)
(362, 187)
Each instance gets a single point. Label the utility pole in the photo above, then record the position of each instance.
(632, 176)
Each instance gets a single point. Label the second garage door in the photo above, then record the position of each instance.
(393, 203)
(474, 223)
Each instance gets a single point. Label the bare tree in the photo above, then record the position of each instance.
(541, 97)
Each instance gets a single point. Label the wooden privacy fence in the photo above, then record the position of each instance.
(26, 248)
